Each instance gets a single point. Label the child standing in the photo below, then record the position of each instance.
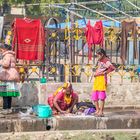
(104, 67)
(8, 77)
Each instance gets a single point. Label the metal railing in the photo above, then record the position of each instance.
(58, 67)
(59, 64)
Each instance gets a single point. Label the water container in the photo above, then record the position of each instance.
(35, 108)
(44, 111)
(43, 80)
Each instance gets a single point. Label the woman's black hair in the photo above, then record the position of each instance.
(8, 47)
(101, 51)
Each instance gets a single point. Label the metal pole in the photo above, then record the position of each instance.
(70, 51)
(72, 46)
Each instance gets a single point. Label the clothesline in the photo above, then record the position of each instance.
(116, 9)
(66, 9)
(57, 6)
(133, 4)
(94, 11)
(83, 3)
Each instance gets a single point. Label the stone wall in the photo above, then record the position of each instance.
(117, 95)
(29, 93)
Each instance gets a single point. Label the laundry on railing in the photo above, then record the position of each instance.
(28, 39)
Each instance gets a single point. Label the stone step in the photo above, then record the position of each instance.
(115, 119)
(15, 123)
(111, 120)
(74, 135)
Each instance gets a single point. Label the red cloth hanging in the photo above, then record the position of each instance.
(98, 35)
(89, 38)
(94, 35)
(28, 39)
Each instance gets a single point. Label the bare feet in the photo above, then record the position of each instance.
(100, 114)
(96, 112)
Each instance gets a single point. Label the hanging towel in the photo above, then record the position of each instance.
(28, 39)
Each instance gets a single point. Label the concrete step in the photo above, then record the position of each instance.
(74, 135)
(16, 123)
(112, 120)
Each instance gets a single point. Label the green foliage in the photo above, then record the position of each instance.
(34, 1)
(35, 10)
(41, 10)
(122, 5)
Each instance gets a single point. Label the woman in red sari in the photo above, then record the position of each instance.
(63, 100)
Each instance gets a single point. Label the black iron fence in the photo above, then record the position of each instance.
(66, 57)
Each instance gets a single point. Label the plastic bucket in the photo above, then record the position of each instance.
(44, 111)
(35, 108)
(43, 80)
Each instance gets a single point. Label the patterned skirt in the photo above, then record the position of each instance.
(9, 89)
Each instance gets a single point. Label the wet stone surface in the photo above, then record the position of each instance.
(15, 122)
(113, 119)
(129, 119)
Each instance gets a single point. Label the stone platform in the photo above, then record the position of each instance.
(115, 118)
(21, 124)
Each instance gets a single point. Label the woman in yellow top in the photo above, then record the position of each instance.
(104, 67)
(63, 100)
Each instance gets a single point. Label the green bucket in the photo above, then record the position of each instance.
(44, 111)
(43, 80)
